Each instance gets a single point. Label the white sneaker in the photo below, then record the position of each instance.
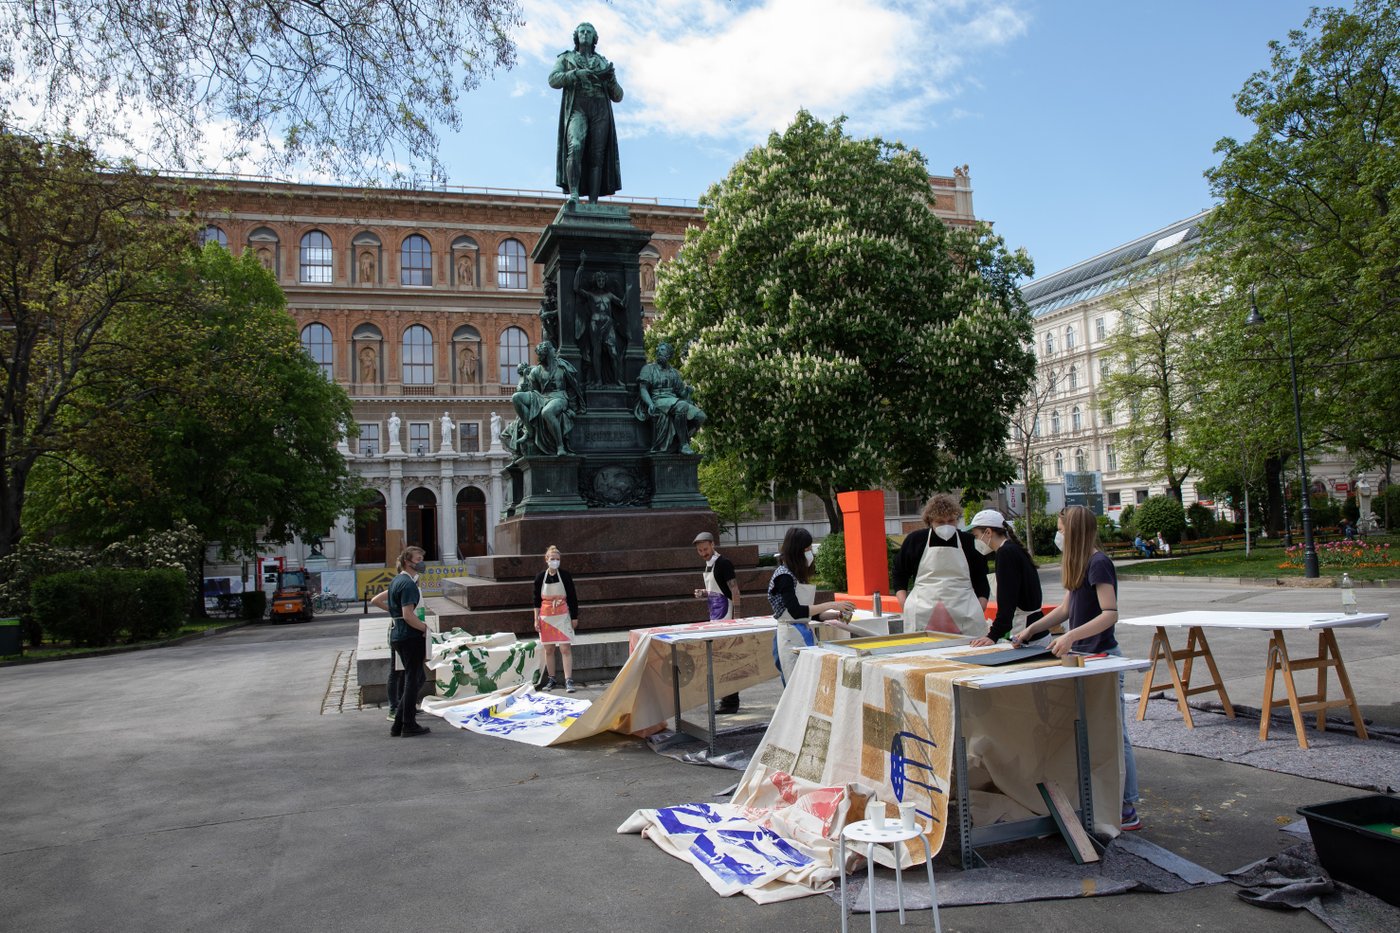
(569, 686)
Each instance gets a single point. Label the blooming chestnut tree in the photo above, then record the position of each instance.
(838, 334)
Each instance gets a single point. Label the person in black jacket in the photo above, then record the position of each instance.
(940, 578)
(1018, 582)
(556, 617)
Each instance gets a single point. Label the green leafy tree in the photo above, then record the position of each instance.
(1149, 355)
(1160, 514)
(350, 86)
(837, 334)
(241, 443)
(731, 495)
(1025, 433)
(85, 248)
(1308, 218)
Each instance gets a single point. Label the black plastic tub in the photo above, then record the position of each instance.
(1350, 851)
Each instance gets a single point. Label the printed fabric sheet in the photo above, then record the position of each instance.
(466, 665)
(848, 728)
(638, 701)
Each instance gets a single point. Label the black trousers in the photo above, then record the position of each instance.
(411, 652)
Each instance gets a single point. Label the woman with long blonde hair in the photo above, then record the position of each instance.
(1090, 612)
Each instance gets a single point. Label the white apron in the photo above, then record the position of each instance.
(719, 603)
(943, 577)
(793, 634)
(556, 626)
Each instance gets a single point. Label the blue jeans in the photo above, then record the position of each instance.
(1130, 780)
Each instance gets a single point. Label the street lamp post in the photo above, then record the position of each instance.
(1309, 549)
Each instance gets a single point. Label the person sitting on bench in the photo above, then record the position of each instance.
(1143, 546)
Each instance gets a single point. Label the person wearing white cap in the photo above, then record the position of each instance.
(721, 589)
(939, 577)
(1018, 583)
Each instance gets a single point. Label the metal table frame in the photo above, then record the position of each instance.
(705, 733)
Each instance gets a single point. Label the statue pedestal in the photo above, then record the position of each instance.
(544, 484)
(676, 481)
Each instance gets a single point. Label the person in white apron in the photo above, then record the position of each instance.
(556, 615)
(721, 592)
(1018, 582)
(950, 589)
(791, 597)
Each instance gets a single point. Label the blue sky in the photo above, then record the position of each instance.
(1086, 123)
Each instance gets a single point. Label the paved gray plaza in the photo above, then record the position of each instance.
(201, 787)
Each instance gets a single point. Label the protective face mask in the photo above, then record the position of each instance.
(420, 566)
(1059, 540)
(554, 565)
(983, 547)
(811, 557)
(945, 532)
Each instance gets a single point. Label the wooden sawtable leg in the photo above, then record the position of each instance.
(1328, 655)
(1180, 682)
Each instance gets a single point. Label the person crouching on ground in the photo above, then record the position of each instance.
(721, 590)
(791, 597)
(1090, 610)
(556, 616)
(408, 638)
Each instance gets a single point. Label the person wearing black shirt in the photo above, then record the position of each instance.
(721, 589)
(1018, 582)
(939, 566)
(556, 617)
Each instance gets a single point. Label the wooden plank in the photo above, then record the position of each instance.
(1076, 837)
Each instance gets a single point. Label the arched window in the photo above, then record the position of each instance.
(1059, 463)
(316, 258)
(515, 349)
(1040, 464)
(416, 261)
(213, 234)
(1074, 377)
(1049, 342)
(1052, 379)
(316, 341)
(1069, 337)
(1081, 462)
(1016, 431)
(417, 356)
(510, 265)
(1035, 431)
(1076, 419)
(1055, 421)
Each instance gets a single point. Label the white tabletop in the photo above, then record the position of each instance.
(1015, 676)
(1268, 621)
(863, 831)
(719, 631)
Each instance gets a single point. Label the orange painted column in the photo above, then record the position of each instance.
(867, 568)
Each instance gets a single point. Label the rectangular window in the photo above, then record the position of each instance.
(469, 434)
(1115, 499)
(1100, 328)
(420, 438)
(369, 440)
(1111, 457)
(911, 503)
(785, 509)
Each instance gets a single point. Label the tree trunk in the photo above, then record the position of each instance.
(1273, 507)
(833, 514)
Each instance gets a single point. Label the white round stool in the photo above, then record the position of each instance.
(892, 835)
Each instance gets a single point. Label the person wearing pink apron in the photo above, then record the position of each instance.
(949, 592)
(721, 591)
(556, 616)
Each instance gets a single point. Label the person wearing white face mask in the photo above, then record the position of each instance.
(791, 597)
(1018, 582)
(556, 616)
(939, 577)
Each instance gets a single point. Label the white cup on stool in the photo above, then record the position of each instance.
(908, 815)
(875, 813)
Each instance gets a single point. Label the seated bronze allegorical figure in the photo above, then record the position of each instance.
(546, 402)
(664, 399)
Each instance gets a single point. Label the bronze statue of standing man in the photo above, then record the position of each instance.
(587, 159)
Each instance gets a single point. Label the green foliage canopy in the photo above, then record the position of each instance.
(837, 334)
(1160, 514)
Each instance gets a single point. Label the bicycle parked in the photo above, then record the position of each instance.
(328, 602)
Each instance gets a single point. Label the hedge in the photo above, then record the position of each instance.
(94, 606)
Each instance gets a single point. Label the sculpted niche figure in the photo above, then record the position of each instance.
(587, 160)
(600, 327)
(549, 312)
(665, 399)
(546, 401)
(368, 366)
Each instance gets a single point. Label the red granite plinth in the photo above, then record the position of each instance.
(603, 530)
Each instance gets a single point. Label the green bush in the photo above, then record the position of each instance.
(254, 604)
(94, 606)
(1389, 498)
(1045, 528)
(1107, 530)
(831, 562)
(1126, 529)
(1351, 510)
(1202, 520)
(1160, 515)
(1326, 511)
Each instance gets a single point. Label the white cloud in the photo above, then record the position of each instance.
(740, 69)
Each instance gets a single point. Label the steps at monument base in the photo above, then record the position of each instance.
(505, 567)
(621, 615)
(484, 595)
